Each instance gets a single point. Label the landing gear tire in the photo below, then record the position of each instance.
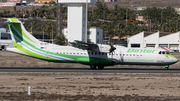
(93, 66)
(167, 68)
(100, 67)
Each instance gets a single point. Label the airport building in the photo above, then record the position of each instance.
(77, 23)
(157, 39)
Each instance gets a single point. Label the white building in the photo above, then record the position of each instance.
(77, 19)
(94, 35)
(177, 10)
(77, 23)
(140, 8)
(157, 39)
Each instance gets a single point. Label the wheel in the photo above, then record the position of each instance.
(166, 68)
(93, 66)
(100, 67)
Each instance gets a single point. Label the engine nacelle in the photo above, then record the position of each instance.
(104, 48)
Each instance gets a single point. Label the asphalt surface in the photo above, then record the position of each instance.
(88, 70)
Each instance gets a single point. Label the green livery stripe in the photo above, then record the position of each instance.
(170, 56)
(11, 30)
(30, 53)
(17, 26)
(21, 39)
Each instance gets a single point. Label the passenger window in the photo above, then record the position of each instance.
(130, 54)
(160, 52)
(123, 54)
(92, 53)
(99, 53)
(95, 53)
(105, 53)
(102, 53)
(84, 53)
(133, 54)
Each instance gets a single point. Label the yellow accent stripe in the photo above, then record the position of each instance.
(14, 20)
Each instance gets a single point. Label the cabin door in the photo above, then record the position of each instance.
(121, 57)
(48, 55)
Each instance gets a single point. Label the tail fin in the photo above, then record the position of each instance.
(19, 33)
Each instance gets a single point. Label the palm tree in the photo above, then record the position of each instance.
(15, 10)
(54, 11)
(60, 39)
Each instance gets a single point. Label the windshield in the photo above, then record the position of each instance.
(163, 52)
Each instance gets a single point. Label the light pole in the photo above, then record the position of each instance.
(161, 17)
(140, 24)
(92, 12)
(103, 15)
(177, 25)
(118, 31)
(150, 25)
(126, 16)
(158, 24)
(31, 28)
(86, 22)
(43, 34)
(23, 11)
(52, 34)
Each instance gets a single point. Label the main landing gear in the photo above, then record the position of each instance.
(166, 67)
(93, 66)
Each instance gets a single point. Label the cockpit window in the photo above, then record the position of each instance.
(164, 52)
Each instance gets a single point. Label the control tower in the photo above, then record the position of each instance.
(77, 19)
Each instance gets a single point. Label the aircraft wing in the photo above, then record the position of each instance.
(93, 47)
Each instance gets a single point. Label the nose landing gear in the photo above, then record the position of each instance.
(166, 67)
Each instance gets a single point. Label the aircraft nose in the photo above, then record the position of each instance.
(175, 60)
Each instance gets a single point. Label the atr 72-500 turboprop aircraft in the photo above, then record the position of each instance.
(84, 53)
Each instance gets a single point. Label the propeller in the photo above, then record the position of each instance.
(112, 48)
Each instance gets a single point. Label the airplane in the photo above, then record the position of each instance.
(94, 55)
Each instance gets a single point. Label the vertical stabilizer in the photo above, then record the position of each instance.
(19, 34)
(23, 41)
